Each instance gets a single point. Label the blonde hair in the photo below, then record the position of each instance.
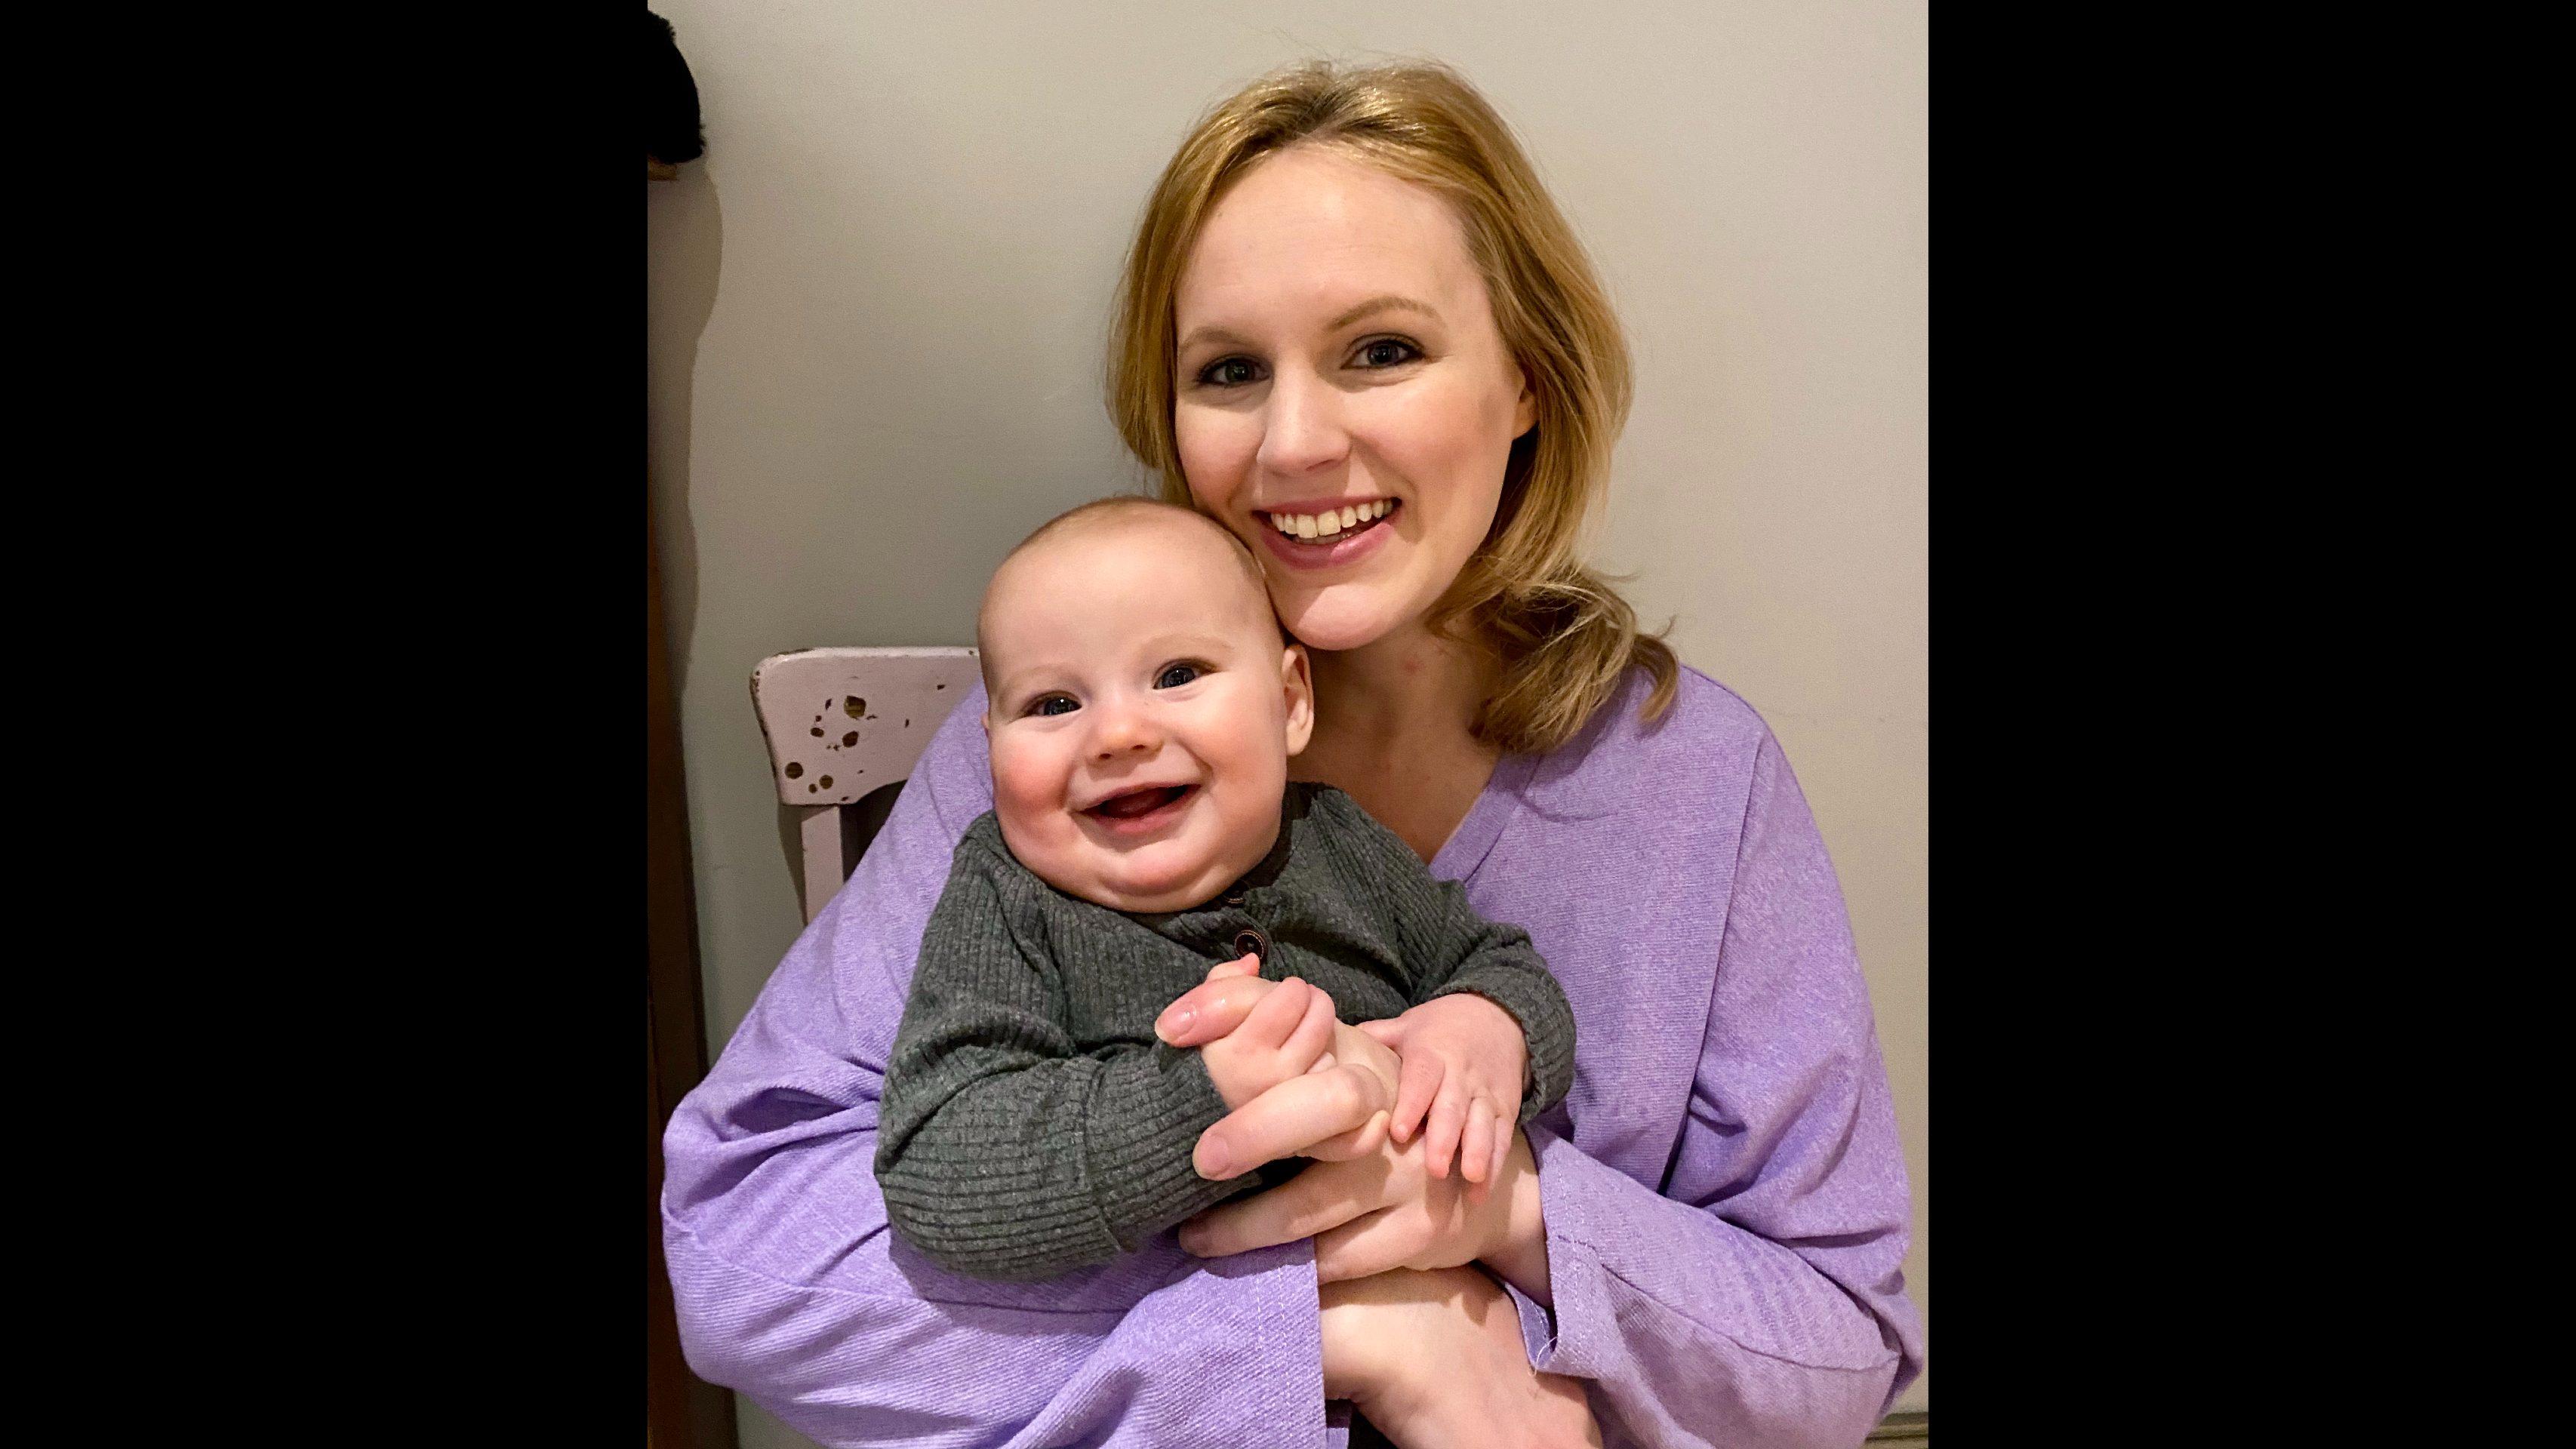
(1563, 637)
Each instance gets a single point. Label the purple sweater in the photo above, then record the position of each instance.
(1724, 1197)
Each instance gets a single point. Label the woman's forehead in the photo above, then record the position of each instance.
(1311, 232)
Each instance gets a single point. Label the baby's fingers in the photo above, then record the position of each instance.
(1419, 1082)
(1440, 1138)
(1476, 1145)
(1277, 1015)
(1503, 1134)
(1311, 1042)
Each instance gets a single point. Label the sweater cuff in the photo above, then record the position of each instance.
(1533, 1000)
(1578, 1334)
(1146, 1112)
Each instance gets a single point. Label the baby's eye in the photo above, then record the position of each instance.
(1387, 352)
(1176, 675)
(1229, 372)
(1052, 704)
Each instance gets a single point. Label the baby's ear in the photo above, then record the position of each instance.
(1299, 685)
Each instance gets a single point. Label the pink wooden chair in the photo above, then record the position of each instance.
(844, 728)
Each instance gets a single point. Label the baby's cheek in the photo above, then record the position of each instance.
(1028, 796)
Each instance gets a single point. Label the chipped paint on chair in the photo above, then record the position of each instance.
(841, 723)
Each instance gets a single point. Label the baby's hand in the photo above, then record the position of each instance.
(1289, 1032)
(1463, 1062)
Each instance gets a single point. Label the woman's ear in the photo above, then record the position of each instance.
(1300, 688)
(1525, 411)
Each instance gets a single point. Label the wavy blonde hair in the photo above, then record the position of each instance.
(1562, 636)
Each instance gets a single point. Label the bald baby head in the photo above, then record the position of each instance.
(1143, 705)
(1129, 536)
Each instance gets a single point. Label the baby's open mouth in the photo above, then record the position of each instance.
(1137, 804)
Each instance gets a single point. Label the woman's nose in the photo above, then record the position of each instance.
(1302, 431)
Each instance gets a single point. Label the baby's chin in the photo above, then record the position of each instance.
(1144, 885)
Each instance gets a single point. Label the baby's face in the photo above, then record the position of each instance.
(1142, 712)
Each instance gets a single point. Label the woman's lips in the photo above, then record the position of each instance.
(1348, 546)
(1142, 812)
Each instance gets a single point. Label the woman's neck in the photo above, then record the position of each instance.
(1392, 722)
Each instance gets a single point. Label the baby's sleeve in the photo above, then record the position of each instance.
(1447, 947)
(1003, 1150)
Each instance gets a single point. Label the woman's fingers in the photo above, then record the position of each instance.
(1210, 1009)
(1288, 1119)
(1361, 1141)
(1321, 1197)
(1422, 1072)
(1503, 1135)
(1367, 1245)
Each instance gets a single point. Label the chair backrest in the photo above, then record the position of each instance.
(844, 728)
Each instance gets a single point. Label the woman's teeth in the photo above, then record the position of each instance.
(1329, 522)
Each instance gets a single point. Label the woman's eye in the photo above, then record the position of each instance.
(1229, 372)
(1387, 352)
(1176, 675)
(1052, 704)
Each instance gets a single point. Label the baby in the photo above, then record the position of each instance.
(1143, 708)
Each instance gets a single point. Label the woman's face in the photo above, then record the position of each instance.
(1338, 359)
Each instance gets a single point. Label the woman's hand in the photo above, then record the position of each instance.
(1338, 1109)
(1370, 1204)
(1435, 1360)
(1384, 1211)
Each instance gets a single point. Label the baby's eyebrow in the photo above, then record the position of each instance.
(1200, 642)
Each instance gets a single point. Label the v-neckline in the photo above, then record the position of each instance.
(1469, 844)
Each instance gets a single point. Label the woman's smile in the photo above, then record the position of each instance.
(1312, 536)
(1347, 403)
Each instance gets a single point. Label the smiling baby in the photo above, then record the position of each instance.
(1142, 708)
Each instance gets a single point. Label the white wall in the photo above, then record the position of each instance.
(877, 310)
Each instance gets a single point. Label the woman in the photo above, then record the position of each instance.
(1350, 288)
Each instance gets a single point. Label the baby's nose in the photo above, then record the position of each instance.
(1123, 731)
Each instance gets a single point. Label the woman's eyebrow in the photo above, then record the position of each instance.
(1389, 302)
(1213, 334)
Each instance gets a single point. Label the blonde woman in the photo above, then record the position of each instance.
(1355, 330)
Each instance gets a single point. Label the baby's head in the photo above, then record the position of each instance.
(1143, 705)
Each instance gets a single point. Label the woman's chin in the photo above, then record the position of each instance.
(1338, 619)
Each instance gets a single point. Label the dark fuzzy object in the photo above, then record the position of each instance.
(673, 131)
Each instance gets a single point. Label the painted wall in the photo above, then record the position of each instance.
(878, 305)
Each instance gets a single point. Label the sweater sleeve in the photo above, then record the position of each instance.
(791, 1290)
(1757, 1301)
(1447, 947)
(1005, 1151)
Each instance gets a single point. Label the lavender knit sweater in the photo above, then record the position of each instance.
(1724, 1198)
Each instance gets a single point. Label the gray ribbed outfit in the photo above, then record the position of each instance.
(1033, 1124)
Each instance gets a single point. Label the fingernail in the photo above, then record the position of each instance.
(1173, 1023)
(1215, 1163)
